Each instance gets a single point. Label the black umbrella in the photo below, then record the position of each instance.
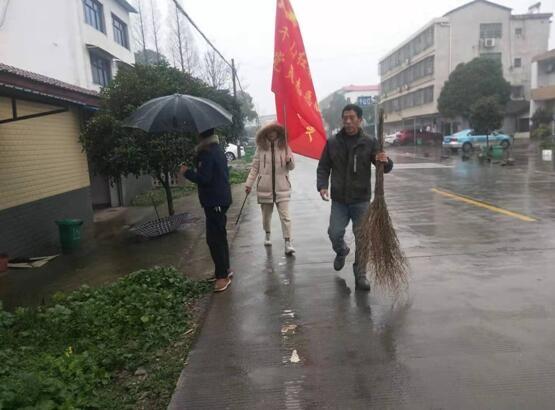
(178, 113)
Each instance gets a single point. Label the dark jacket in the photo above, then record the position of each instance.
(350, 168)
(212, 177)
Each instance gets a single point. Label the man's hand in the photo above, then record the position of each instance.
(325, 194)
(382, 157)
(248, 189)
(183, 168)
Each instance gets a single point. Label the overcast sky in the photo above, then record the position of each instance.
(344, 39)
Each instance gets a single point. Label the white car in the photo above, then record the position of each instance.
(392, 139)
(231, 152)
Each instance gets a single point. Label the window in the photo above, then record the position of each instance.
(411, 74)
(94, 14)
(518, 31)
(414, 99)
(517, 92)
(517, 63)
(121, 35)
(419, 44)
(491, 30)
(101, 72)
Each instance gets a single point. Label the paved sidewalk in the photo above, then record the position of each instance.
(474, 330)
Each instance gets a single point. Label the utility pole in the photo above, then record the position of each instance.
(235, 120)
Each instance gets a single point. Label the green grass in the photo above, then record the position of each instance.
(82, 350)
(159, 195)
(238, 175)
(249, 153)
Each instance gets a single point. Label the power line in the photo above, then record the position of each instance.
(233, 71)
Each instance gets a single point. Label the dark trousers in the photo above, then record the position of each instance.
(216, 238)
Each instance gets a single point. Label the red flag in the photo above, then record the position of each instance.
(296, 102)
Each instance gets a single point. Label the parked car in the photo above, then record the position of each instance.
(407, 137)
(392, 139)
(467, 140)
(231, 152)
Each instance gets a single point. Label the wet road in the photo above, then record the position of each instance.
(475, 329)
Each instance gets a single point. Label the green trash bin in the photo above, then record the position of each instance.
(497, 152)
(70, 234)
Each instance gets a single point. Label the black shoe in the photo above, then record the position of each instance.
(339, 260)
(362, 283)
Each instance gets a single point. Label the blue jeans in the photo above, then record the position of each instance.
(340, 216)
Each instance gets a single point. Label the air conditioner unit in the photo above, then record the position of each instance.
(489, 42)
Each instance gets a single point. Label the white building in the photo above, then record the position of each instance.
(543, 83)
(80, 42)
(413, 73)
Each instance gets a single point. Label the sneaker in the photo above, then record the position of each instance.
(221, 284)
(289, 250)
(339, 260)
(268, 240)
(230, 274)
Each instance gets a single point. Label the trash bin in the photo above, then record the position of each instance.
(70, 234)
(497, 152)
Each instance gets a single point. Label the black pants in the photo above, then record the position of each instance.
(216, 238)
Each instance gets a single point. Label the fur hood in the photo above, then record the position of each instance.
(263, 142)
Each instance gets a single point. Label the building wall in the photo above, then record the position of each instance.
(30, 229)
(52, 39)
(533, 41)
(39, 157)
(43, 177)
(457, 40)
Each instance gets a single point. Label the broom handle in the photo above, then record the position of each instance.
(378, 189)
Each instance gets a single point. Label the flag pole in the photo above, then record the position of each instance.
(285, 125)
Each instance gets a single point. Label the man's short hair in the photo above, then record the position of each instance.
(352, 107)
(207, 133)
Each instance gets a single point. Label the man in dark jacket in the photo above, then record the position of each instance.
(348, 157)
(214, 191)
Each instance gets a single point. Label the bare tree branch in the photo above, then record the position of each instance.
(215, 70)
(155, 16)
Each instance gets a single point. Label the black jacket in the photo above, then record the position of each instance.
(350, 168)
(212, 177)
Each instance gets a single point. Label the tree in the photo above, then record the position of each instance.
(182, 45)
(140, 27)
(215, 71)
(149, 56)
(332, 113)
(155, 18)
(115, 151)
(486, 115)
(247, 106)
(481, 77)
(541, 117)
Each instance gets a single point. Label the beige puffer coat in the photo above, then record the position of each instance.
(270, 169)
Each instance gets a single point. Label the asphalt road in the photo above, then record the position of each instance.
(474, 330)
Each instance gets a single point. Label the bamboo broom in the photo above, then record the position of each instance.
(381, 251)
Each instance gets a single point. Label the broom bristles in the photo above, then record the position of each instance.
(381, 249)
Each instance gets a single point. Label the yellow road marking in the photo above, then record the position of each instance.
(485, 205)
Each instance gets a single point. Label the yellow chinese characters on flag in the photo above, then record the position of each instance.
(296, 102)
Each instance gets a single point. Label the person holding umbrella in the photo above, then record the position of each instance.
(270, 172)
(182, 113)
(211, 174)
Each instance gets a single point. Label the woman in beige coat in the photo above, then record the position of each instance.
(270, 174)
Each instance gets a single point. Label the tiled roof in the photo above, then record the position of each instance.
(45, 80)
